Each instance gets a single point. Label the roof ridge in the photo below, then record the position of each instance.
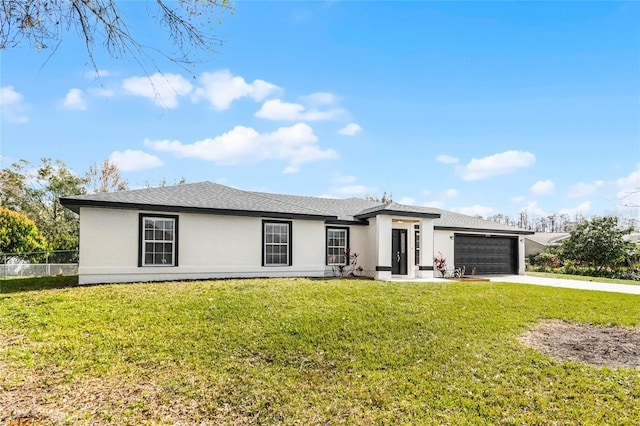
(380, 206)
(266, 195)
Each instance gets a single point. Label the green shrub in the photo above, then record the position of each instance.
(547, 260)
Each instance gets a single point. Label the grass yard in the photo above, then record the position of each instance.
(301, 351)
(581, 278)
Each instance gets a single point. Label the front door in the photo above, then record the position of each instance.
(399, 252)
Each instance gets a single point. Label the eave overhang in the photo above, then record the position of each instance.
(399, 213)
(484, 231)
(75, 205)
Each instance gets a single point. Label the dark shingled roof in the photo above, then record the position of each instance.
(343, 209)
(207, 197)
(398, 210)
(459, 221)
(204, 196)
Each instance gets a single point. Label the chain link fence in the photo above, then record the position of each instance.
(39, 264)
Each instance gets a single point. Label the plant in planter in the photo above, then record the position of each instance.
(459, 272)
(351, 268)
(440, 264)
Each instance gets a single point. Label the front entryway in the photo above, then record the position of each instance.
(399, 252)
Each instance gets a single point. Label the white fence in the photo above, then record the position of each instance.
(39, 264)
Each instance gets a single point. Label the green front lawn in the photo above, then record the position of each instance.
(581, 278)
(301, 351)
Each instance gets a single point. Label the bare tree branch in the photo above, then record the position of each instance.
(43, 24)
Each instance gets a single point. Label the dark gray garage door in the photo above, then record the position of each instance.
(489, 255)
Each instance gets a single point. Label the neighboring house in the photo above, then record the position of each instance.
(540, 241)
(206, 230)
(633, 237)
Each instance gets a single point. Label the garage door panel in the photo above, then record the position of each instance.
(489, 255)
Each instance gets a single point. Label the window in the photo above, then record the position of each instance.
(276, 237)
(158, 240)
(416, 229)
(337, 243)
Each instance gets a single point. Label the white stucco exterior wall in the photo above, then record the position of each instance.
(383, 247)
(443, 243)
(426, 248)
(360, 242)
(209, 246)
(521, 256)
(370, 251)
(218, 246)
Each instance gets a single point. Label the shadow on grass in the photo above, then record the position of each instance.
(33, 284)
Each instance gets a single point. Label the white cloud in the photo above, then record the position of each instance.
(352, 190)
(628, 188)
(518, 199)
(630, 182)
(543, 187)
(580, 209)
(131, 160)
(343, 179)
(244, 145)
(350, 129)
(475, 210)
(221, 88)
(583, 189)
(12, 105)
(447, 159)
(532, 208)
(497, 164)
(451, 193)
(9, 96)
(407, 201)
(275, 109)
(75, 100)
(162, 89)
(320, 98)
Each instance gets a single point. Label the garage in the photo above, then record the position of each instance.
(488, 254)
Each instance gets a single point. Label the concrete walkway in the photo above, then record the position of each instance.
(558, 282)
(550, 282)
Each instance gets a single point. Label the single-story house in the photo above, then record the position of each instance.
(206, 230)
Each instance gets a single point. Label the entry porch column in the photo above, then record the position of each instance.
(383, 247)
(425, 268)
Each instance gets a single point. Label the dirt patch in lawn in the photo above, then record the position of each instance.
(596, 345)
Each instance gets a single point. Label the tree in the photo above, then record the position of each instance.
(44, 23)
(104, 178)
(599, 243)
(36, 194)
(523, 220)
(501, 219)
(384, 199)
(12, 185)
(19, 234)
(163, 182)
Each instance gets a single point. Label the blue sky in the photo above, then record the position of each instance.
(481, 108)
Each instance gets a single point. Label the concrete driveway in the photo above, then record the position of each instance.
(557, 282)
